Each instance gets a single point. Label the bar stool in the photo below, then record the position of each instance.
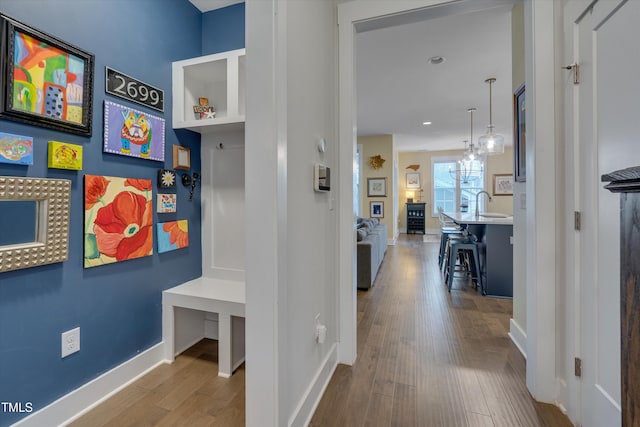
(466, 252)
(448, 228)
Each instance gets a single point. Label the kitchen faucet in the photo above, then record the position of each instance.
(477, 196)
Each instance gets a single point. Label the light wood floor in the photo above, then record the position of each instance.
(426, 358)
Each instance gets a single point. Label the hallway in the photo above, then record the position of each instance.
(430, 358)
(426, 358)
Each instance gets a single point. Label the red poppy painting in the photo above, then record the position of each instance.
(118, 219)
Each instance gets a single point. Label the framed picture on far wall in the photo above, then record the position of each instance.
(376, 209)
(376, 187)
(45, 81)
(503, 185)
(413, 180)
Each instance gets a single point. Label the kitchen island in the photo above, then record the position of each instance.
(495, 231)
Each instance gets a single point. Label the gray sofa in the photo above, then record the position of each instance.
(371, 237)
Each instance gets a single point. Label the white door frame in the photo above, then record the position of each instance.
(541, 120)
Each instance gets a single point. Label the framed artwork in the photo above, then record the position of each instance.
(16, 149)
(64, 156)
(181, 157)
(519, 137)
(133, 133)
(376, 209)
(167, 203)
(376, 187)
(172, 235)
(413, 180)
(46, 81)
(118, 219)
(166, 178)
(503, 185)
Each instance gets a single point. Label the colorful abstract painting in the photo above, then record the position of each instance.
(134, 133)
(47, 80)
(166, 203)
(118, 219)
(173, 235)
(16, 149)
(64, 156)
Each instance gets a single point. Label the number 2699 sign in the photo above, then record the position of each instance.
(126, 87)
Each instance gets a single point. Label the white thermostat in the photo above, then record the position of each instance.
(321, 177)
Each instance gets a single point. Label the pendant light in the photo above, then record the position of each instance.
(471, 153)
(491, 143)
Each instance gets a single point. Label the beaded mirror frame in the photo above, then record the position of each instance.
(51, 245)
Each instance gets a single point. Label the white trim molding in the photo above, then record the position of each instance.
(86, 397)
(518, 336)
(313, 394)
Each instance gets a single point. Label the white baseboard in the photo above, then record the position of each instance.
(518, 336)
(86, 397)
(311, 398)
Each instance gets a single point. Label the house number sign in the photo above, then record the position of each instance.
(126, 87)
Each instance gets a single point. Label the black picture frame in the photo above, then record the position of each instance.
(65, 100)
(519, 135)
(376, 209)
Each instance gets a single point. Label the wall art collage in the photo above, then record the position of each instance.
(47, 82)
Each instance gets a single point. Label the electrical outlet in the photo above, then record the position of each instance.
(70, 342)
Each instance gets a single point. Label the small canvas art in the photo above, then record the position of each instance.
(173, 235)
(134, 133)
(166, 178)
(16, 149)
(166, 203)
(64, 156)
(118, 219)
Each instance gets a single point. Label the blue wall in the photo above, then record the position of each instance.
(223, 29)
(117, 306)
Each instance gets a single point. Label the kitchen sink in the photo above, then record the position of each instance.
(494, 215)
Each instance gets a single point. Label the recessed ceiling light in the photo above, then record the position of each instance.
(436, 60)
(426, 123)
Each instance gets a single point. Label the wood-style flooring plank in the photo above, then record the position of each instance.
(455, 364)
(426, 358)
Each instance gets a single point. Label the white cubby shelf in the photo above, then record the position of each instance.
(220, 78)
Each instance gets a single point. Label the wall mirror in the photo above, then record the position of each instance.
(20, 219)
(34, 221)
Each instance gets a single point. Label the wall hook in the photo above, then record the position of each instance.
(190, 180)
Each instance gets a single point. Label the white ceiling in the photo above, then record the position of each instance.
(208, 5)
(397, 89)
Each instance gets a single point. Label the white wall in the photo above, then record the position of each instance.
(223, 207)
(291, 230)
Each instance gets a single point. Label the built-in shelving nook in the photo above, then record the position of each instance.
(221, 79)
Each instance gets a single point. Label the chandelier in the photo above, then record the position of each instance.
(464, 167)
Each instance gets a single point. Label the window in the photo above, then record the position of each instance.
(356, 181)
(455, 189)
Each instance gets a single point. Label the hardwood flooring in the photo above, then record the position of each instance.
(426, 358)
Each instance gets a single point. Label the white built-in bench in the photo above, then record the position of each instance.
(208, 295)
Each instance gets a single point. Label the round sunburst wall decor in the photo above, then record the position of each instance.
(376, 161)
